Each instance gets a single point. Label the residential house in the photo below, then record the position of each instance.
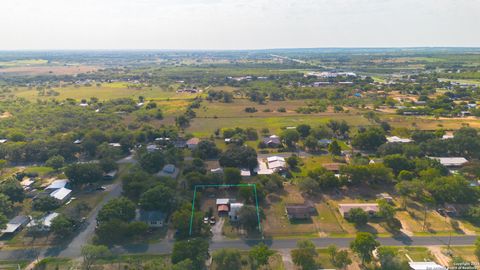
(169, 170)
(234, 210)
(62, 194)
(192, 143)
(44, 223)
(180, 143)
(270, 165)
(110, 175)
(324, 142)
(385, 196)
(298, 211)
(451, 161)
(370, 208)
(2, 141)
(217, 170)
(333, 167)
(16, 224)
(154, 219)
(272, 141)
(57, 184)
(396, 139)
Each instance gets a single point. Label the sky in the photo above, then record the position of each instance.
(237, 24)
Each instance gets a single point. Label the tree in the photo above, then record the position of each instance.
(240, 157)
(195, 249)
(181, 222)
(117, 209)
(45, 204)
(339, 258)
(232, 176)
(159, 197)
(389, 260)
(363, 245)
(5, 204)
(108, 165)
(293, 161)
(311, 143)
(398, 163)
(259, 254)
(227, 259)
(357, 216)
(370, 139)
(82, 173)
(62, 226)
(55, 162)
(206, 150)
(308, 185)
(152, 162)
(334, 148)
(12, 188)
(303, 130)
(290, 137)
(304, 255)
(477, 248)
(91, 253)
(248, 217)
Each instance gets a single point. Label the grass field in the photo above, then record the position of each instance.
(429, 122)
(204, 127)
(106, 91)
(275, 263)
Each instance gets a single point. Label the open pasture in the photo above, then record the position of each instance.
(106, 91)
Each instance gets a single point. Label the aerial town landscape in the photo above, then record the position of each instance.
(237, 156)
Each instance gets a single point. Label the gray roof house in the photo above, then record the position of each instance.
(15, 224)
(154, 219)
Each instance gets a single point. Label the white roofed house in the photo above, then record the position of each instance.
(396, 139)
(451, 161)
(57, 184)
(234, 210)
(44, 223)
(62, 194)
(16, 224)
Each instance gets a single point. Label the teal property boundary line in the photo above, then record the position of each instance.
(226, 185)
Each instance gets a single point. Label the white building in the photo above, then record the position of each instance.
(395, 139)
(62, 194)
(451, 161)
(44, 223)
(57, 184)
(234, 209)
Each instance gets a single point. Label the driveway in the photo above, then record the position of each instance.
(217, 230)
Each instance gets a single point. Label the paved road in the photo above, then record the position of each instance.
(166, 246)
